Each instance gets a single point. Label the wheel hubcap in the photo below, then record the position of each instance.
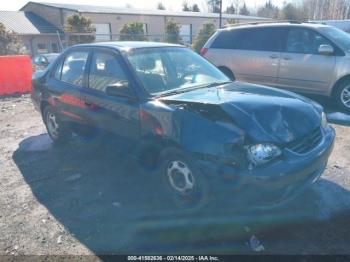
(180, 177)
(345, 96)
(52, 125)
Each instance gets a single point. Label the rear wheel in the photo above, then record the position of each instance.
(183, 183)
(342, 95)
(57, 130)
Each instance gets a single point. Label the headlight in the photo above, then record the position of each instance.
(324, 121)
(262, 153)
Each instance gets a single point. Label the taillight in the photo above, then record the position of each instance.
(203, 51)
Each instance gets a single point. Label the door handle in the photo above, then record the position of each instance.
(287, 58)
(90, 105)
(274, 56)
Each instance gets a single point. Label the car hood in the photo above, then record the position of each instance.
(265, 114)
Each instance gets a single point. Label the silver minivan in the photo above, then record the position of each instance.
(301, 57)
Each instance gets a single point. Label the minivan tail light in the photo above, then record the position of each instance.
(203, 51)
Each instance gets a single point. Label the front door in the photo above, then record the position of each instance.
(302, 68)
(116, 114)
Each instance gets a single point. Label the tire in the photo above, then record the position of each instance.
(228, 73)
(193, 194)
(57, 130)
(342, 95)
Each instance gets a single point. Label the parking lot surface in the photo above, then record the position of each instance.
(89, 198)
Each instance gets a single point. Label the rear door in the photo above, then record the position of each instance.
(116, 114)
(302, 68)
(252, 54)
(65, 84)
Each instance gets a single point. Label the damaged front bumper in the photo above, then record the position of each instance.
(274, 183)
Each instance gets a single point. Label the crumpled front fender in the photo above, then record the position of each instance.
(190, 130)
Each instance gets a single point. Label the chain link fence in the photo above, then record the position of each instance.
(56, 43)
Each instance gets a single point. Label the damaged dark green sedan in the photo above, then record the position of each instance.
(202, 132)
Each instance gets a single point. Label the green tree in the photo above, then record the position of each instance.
(230, 9)
(185, 7)
(195, 8)
(172, 32)
(207, 30)
(160, 6)
(268, 10)
(80, 29)
(8, 42)
(132, 32)
(244, 10)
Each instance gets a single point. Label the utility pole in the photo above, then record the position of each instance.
(220, 17)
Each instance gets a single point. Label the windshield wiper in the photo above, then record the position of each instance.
(186, 89)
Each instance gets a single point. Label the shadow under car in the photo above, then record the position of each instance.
(112, 206)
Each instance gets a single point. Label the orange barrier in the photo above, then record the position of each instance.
(15, 74)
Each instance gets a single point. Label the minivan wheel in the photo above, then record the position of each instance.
(342, 96)
(227, 72)
(57, 131)
(183, 183)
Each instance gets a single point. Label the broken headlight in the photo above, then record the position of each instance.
(324, 121)
(262, 153)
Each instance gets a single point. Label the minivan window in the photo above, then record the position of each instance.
(304, 41)
(73, 67)
(105, 70)
(256, 39)
(338, 36)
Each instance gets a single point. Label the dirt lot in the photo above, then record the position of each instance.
(88, 199)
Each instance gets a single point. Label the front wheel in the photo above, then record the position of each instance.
(183, 183)
(57, 131)
(342, 96)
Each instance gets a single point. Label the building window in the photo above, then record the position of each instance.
(103, 32)
(42, 48)
(54, 47)
(186, 34)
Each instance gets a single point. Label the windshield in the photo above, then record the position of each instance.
(338, 36)
(163, 70)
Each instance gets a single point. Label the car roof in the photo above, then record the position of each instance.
(127, 45)
(276, 24)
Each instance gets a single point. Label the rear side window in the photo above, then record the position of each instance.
(73, 67)
(258, 39)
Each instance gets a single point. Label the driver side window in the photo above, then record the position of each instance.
(304, 41)
(105, 70)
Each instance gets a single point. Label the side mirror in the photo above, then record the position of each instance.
(41, 61)
(120, 89)
(326, 50)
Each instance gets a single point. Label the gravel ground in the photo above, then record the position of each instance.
(85, 199)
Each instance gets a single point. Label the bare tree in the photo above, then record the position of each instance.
(325, 9)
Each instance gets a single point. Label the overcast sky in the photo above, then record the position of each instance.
(173, 5)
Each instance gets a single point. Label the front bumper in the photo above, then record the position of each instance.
(274, 183)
